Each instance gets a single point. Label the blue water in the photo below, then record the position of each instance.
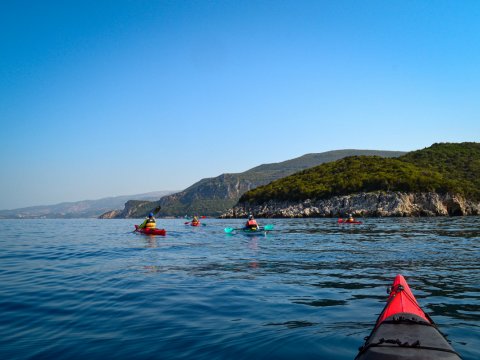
(91, 289)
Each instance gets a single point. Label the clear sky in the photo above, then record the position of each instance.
(103, 98)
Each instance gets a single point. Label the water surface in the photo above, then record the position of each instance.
(77, 289)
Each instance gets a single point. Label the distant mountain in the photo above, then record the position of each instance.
(79, 209)
(132, 209)
(213, 196)
(448, 168)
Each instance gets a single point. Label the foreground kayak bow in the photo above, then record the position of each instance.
(404, 331)
(154, 231)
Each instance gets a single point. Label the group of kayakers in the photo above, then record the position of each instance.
(150, 222)
(251, 223)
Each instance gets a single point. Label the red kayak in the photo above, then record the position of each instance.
(195, 223)
(342, 221)
(404, 331)
(154, 231)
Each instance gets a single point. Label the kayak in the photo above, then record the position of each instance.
(250, 231)
(404, 331)
(194, 224)
(342, 221)
(154, 231)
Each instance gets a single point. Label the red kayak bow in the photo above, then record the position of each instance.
(401, 300)
(403, 331)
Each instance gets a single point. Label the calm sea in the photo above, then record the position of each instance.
(312, 289)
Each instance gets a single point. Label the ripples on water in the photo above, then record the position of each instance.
(76, 289)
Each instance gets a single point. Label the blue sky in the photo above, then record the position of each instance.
(104, 98)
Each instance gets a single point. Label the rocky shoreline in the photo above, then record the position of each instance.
(372, 204)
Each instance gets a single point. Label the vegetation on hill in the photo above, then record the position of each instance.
(213, 196)
(442, 168)
(459, 163)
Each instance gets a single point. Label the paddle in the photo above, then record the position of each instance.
(229, 230)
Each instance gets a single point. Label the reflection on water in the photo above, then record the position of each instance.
(311, 288)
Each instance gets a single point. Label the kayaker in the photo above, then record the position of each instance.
(149, 222)
(251, 222)
(195, 220)
(350, 219)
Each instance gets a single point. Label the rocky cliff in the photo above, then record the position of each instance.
(133, 209)
(213, 196)
(373, 204)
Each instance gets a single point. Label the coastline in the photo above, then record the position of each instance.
(371, 204)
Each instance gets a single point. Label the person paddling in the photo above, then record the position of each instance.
(350, 219)
(195, 221)
(251, 223)
(149, 223)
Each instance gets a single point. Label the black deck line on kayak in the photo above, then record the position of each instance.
(386, 343)
(407, 319)
(394, 319)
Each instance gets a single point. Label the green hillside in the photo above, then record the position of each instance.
(213, 196)
(457, 162)
(442, 168)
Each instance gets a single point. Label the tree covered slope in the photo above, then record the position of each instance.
(442, 168)
(213, 196)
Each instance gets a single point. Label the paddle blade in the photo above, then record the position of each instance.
(188, 222)
(268, 227)
(203, 224)
(228, 230)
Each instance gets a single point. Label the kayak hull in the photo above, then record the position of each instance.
(401, 300)
(341, 221)
(404, 331)
(154, 231)
(195, 224)
(249, 231)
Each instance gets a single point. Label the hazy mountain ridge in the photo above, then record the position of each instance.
(78, 209)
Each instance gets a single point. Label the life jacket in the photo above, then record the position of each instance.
(252, 223)
(150, 224)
